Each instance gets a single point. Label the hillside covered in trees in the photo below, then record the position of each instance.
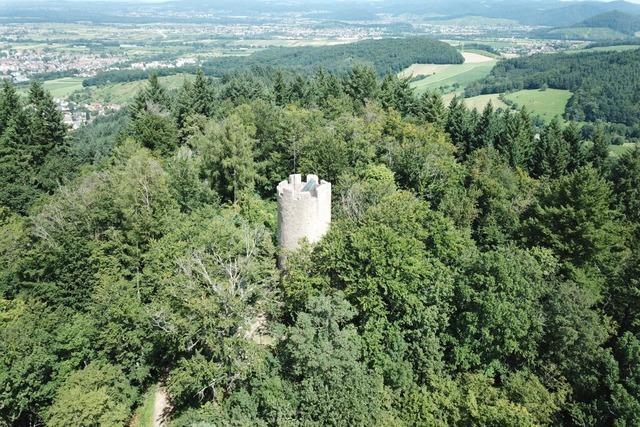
(474, 273)
(605, 85)
(387, 55)
(608, 26)
(615, 20)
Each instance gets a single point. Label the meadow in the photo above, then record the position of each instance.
(450, 78)
(547, 104)
(480, 102)
(123, 93)
(619, 150)
(61, 88)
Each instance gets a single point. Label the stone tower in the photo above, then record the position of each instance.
(304, 210)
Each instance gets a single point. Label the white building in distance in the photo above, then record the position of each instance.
(304, 211)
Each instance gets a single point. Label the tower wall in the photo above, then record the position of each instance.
(304, 210)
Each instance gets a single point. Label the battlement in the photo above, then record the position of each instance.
(297, 189)
(304, 210)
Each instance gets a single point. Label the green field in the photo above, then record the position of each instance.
(618, 150)
(548, 103)
(483, 53)
(122, 93)
(453, 77)
(481, 101)
(59, 88)
(119, 93)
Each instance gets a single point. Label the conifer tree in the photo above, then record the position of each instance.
(183, 105)
(155, 92)
(280, 89)
(459, 126)
(202, 96)
(486, 129)
(16, 189)
(551, 153)
(571, 135)
(9, 104)
(397, 94)
(573, 216)
(431, 108)
(626, 184)
(362, 84)
(600, 149)
(514, 138)
(152, 98)
(299, 90)
(47, 128)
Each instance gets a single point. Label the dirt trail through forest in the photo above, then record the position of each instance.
(160, 407)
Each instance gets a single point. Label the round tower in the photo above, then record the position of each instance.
(304, 210)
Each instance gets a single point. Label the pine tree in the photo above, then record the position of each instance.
(281, 89)
(626, 184)
(486, 129)
(9, 104)
(36, 92)
(551, 153)
(183, 106)
(362, 84)
(431, 108)
(387, 92)
(155, 92)
(327, 85)
(48, 130)
(459, 126)
(525, 138)
(573, 216)
(202, 96)
(514, 138)
(571, 135)
(299, 91)
(600, 149)
(152, 98)
(397, 94)
(16, 190)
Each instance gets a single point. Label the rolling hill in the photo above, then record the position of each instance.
(621, 22)
(384, 55)
(613, 25)
(550, 13)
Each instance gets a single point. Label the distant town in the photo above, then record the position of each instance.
(78, 51)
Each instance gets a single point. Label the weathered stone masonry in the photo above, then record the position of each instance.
(304, 211)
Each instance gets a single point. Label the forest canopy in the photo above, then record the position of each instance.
(387, 55)
(481, 267)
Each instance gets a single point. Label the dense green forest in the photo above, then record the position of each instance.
(615, 20)
(607, 26)
(481, 269)
(605, 85)
(385, 55)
